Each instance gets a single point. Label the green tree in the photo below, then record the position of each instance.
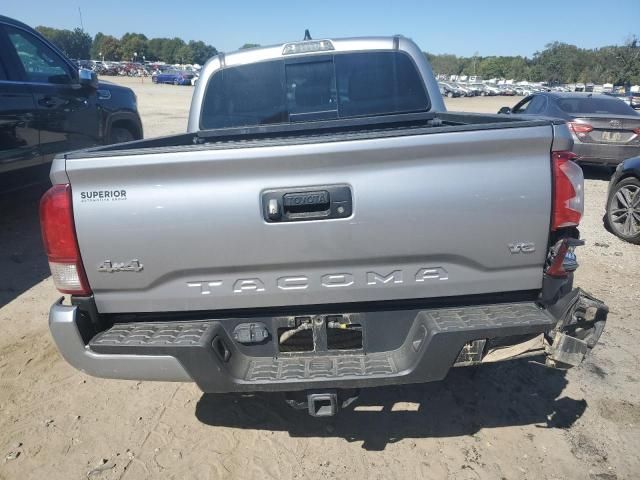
(154, 48)
(96, 46)
(170, 51)
(201, 52)
(446, 64)
(106, 46)
(184, 54)
(75, 43)
(557, 63)
(111, 48)
(519, 68)
(249, 45)
(560, 62)
(627, 60)
(132, 44)
(494, 67)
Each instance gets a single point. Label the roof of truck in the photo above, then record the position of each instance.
(256, 54)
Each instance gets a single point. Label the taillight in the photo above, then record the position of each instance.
(636, 131)
(568, 190)
(580, 129)
(60, 243)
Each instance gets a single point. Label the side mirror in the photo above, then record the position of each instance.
(504, 110)
(87, 78)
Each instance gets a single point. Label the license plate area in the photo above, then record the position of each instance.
(318, 334)
(613, 136)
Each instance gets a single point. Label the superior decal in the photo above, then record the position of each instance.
(103, 196)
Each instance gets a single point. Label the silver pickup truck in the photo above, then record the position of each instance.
(325, 225)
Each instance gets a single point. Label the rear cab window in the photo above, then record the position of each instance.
(319, 87)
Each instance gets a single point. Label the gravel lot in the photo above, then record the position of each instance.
(515, 420)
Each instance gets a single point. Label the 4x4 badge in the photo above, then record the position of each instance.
(522, 247)
(110, 267)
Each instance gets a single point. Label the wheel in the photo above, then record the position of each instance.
(175, 81)
(483, 94)
(120, 135)
(154, 79)
(623, 210)
(450, 94)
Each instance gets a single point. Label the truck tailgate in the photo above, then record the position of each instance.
(434, 215)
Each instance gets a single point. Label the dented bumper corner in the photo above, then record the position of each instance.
(582, 321)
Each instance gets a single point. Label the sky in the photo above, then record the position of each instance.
(462, 27)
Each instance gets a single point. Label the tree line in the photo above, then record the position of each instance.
(130, 47)
(557, 63)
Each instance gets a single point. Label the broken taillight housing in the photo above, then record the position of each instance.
(561, 259)
(60, 243)
(568, 191)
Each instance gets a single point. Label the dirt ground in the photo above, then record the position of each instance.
(513, 421)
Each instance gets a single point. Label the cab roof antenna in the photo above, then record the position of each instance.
(307, 35)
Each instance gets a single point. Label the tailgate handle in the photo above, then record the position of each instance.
(306, 203)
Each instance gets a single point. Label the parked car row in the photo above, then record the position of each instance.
(159, 72)
(457, 89)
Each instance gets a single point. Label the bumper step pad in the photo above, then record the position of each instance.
(303, 368)
(136, 337)
(487, 317)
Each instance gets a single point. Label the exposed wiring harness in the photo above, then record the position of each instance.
(290, 333)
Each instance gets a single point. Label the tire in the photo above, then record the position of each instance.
(450, 94)
(120, 135)
(154, 79)
(623, 210)
(483, 94)
(175, 81)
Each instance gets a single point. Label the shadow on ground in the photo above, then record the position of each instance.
(22, 259)
(469, 399)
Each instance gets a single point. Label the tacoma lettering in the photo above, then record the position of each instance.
(329, 280)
